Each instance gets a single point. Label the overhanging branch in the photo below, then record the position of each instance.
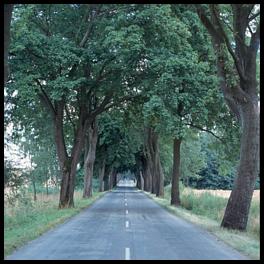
(204, 129)
(46, 100)
(227, 42)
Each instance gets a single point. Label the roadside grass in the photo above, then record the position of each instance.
(206, 210)
(25, 222)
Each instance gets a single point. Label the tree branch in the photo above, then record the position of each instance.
(89, 30)
(204, 129)
(207, 23)
(253, 16)
(101, 107)
(227, 42)
(46, 100)
(250, 30)
(123, 99)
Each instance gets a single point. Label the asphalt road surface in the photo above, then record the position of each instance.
(126, 224)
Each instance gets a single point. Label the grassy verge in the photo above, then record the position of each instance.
(206, 210)
(27, 222)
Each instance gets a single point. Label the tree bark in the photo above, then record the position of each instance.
(153, 162)
(111, 178)
(106, 183)
(114, 178)
(141, 180)
(160, 178)
(89, 161)
(146, 173)
(47, 187)
(175, 190)
(237, 209)
(8, 8)
(34, 189)
(101, 177)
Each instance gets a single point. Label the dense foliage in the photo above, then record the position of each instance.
(141, 78)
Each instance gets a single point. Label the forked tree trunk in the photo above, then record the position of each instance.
(66, 191)
(101, 177)
(68, 164)
(89, 161)
(175, 190)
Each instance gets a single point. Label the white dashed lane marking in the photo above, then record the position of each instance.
(127, 254)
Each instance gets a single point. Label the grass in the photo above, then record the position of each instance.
(25, 222)
(206, 209)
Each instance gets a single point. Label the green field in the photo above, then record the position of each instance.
(24, 222)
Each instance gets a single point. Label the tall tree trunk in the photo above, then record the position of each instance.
(47, 187)
(34, 188)
(242, 100)
(111, 176)
(237, 209)
(153, 157)
(101, 177)
(141, 179)
(175, 190)
(114, 178)
(89, 161)
(8, 8)
(106, 183)
(160, 177)
(33, 179)
(146, 174)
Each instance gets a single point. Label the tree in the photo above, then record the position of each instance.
(177, 103)
(63, 70)
(89, 159)
(117, 145)
(236, 53)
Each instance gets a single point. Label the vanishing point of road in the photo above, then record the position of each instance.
(126, 224)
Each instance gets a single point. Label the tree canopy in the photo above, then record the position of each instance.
(168, 92)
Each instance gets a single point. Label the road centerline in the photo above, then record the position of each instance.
(127, 254)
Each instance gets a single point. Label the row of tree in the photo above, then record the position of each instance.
(82, 74)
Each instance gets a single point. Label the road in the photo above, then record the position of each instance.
(126, 224)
